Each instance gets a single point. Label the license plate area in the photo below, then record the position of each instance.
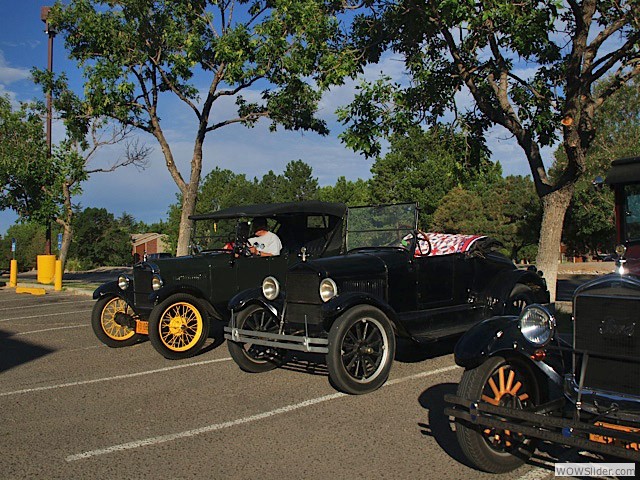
(142, 327)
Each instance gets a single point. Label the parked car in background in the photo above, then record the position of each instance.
(394, 280)
(173, 299)
(526, 381)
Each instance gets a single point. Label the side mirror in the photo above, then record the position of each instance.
(598, 183)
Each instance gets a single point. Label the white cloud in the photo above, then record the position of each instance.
(11, 74)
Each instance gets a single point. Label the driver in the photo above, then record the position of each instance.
(264, 243)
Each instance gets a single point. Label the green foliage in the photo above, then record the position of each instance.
(100, 240)
(508, 211)
(423, 166)
(29, 244)
(348, 192)
(590, 224)
(26, 176)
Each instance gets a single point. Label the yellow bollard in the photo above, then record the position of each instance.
(57, 285)
(46, 268)
(13, 274)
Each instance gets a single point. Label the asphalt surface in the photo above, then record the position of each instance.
(71, 407)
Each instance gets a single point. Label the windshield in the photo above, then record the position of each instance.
(381, 226)
(213, 235)
(632, 212)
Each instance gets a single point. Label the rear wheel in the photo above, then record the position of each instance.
(103, 322)
(361, 350)
(256, 358)
(502, 383)
(178, 327)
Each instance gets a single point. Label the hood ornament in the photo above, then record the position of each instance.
(303, 254)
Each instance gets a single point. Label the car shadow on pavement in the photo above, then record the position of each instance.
(216, 332)
(408, 351)
(442, 429)
(14, 352)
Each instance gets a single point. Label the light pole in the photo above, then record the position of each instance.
(44, 16)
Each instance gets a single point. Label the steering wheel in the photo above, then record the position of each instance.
(421, 239)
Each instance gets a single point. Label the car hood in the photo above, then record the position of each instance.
(364, 262)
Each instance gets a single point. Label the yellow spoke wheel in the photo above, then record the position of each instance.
(179, 326)
(111, 328)
(103, 322)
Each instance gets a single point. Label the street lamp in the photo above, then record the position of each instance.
(44, 16)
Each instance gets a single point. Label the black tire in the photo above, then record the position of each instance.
(256, 358)
(493, 450)
(179, 326)
(361, 350)
(105, 327)
(520, 297)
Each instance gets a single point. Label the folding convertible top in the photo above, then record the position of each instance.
(274, 209)
(624, 170)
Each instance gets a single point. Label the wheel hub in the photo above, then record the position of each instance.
(177, 325)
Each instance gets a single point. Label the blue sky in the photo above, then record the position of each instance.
(147, 194)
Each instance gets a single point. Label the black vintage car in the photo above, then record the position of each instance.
(173, 299)
(393, 280)
(526, 380)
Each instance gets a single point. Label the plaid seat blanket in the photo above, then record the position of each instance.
(445, 243)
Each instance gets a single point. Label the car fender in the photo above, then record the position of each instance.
(112, 288)
(161, 295)
(501, 336)
(338, 305)
(253, 296)
(501, 286)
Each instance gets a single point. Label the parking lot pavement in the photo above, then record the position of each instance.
(74, 408)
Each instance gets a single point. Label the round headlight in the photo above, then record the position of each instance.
(156, 283)
(123, 282)
(537, 324)
(270, 288)
(328, 289)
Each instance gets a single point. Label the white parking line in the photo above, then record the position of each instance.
(48, 330)
(240, 421)
(45, 304)
(43, 315)
(109, 379)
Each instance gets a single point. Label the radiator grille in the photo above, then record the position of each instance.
(303, 288)
(608, 328)
(374, 287)
(142, 287)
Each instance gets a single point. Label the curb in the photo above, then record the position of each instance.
(50, 288)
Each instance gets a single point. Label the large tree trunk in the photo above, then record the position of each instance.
(65, 223)
(188, 208)
(554, 208)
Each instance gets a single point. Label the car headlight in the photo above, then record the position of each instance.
(123, 282)
(537, 324)
(156, 283)
(328, 289)
(270, 288)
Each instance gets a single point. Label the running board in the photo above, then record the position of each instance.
(287, 342)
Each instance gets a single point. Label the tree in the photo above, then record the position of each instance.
(346, 191)
(136, 54)
(486, 48)
(99, 239)
(25, 173)
(423, 166)
(590, 223)
(29, 240)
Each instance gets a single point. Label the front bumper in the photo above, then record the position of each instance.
(546, 422)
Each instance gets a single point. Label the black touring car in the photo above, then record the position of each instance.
(173, 299)
(394, 280)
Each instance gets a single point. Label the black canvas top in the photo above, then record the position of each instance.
(624, 170)
(274, 209)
